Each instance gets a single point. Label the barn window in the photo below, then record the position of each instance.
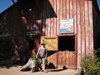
(66, 43)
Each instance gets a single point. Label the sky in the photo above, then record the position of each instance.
(4, 4)
(98, 3)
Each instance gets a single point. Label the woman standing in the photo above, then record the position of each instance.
(42, 55)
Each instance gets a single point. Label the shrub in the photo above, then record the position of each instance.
(90, 65)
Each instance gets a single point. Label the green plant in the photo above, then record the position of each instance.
(97, 54)
(90, 65)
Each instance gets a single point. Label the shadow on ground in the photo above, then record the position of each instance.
(51, 68)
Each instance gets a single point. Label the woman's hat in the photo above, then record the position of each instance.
(42, 43)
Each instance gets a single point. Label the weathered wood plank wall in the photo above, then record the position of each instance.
(81, 12)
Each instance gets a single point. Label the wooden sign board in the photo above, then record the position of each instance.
(67, 26)
(51, 42)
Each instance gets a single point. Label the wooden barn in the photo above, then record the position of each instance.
(67, 27)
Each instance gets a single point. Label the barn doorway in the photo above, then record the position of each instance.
(66, 53)
(31, 44)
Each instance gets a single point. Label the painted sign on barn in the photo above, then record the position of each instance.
(67, 26)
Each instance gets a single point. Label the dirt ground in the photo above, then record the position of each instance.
(16, 71)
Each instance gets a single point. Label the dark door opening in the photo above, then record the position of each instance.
(66, 43)
(31, 44)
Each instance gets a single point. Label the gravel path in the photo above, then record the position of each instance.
(16, 71)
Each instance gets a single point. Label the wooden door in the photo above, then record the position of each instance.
(51, 42)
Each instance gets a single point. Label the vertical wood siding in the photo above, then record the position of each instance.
(91, 26)
(81, 12)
